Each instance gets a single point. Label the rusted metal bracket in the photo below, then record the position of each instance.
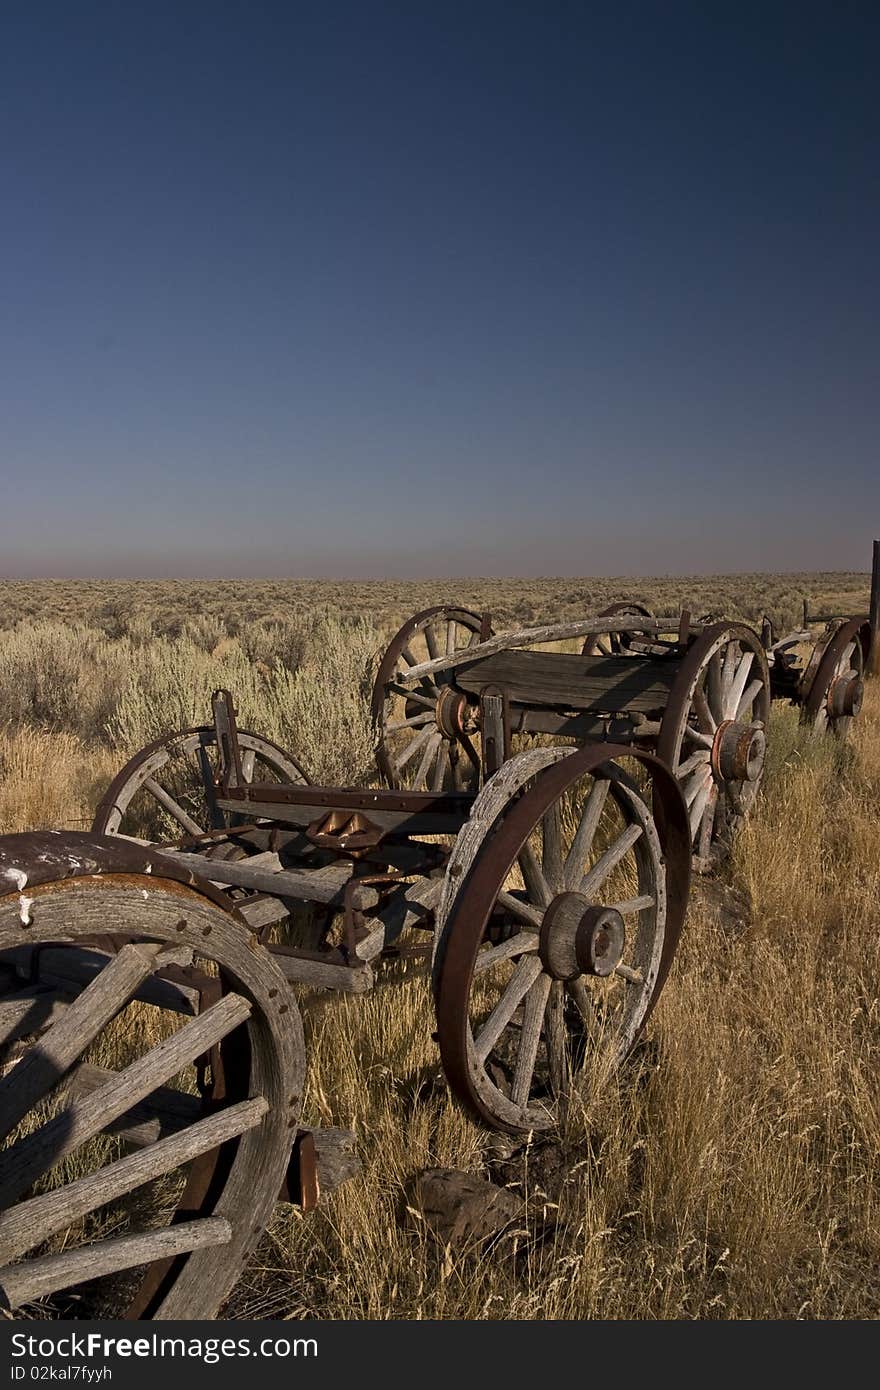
(301, 1186)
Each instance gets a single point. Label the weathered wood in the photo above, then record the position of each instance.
(302, 969)
(873, 663)
(50, 1273)
(174, 809)
(88, 1115)
(35, 1220)
(325, 885)
(530, 1037)
(412, 906)
(613, 685)
(164, 1111)
(518, 986)
(436, 819)
(30, 1011)
(336, 1158)
(70, 967)
(46, 1062)
(263, 912)
(534, 636)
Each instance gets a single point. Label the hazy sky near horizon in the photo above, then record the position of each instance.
(367, 289)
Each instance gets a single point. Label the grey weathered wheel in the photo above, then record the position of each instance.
(167, 790)
(561, 910)
(834, 679)
(712, 734)
(96, 1055)
(422, 742)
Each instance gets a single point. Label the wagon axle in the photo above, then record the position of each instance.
(579, 938)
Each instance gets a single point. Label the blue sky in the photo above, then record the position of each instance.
(404, 290)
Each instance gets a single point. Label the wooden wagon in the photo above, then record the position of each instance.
(532, 849)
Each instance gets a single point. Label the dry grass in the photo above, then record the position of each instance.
(733, 1171)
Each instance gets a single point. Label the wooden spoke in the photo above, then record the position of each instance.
(415, 722)
(52, 1273)
(748, 698)
(698, 806)
(530, 1037)
(705, 740)
(441, 768)
(583, 1000)
(738, 685)
(556, 1038)
(430, 753)
(552, 856)
(582, 843)
(44, 1065)
(519, 984)
(524, 912)
(173, 807)
(593, 881)
(450, 636)
(432, 643)
(519, 945)
(698, 759)
(420, 739)
(626, 972)
(84, 1118)
(713, 690)
(727, 670)
(408, 657)
(707, 721)
(708, 823)
(31, 1222)
(537, 887)
(693, 788)
(631, 905)
(416, 696)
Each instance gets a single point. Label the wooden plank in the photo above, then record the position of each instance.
(90, 1114)
(35, 1076)
(325, 885)
(567, 680)
(35, 1220)
(302, 969)
(50, 1273)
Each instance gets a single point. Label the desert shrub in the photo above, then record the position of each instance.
(59, 677)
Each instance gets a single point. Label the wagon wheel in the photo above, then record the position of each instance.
(167, 790)
(97, 1055)
(561, 911)
(712, 734)
(835, 693)
(422, 744)
(630, 643)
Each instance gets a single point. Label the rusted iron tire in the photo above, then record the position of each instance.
(186, 762)
(524, 926)
(94, 1046)
(414, 748)
(621, 643)
(833, 696)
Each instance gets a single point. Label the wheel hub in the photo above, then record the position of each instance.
(738, 752)
(845, 696)
(580, 938)
(453, 713)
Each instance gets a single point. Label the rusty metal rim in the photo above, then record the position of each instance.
(476, 897)
(856, 629)
(203, 731)
(388, 665)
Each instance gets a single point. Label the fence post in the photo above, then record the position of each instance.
(874, 617)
